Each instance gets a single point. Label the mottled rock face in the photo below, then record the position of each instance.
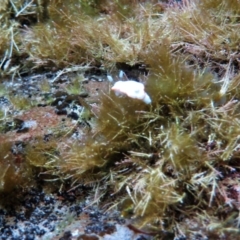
(63, 216)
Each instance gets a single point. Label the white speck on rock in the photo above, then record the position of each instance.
(30, 124)
(123, 232)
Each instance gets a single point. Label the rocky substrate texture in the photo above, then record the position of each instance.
(50, 101)
(61, 216)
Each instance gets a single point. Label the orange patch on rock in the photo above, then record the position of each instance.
(46, 119)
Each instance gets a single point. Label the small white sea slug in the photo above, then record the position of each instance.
(132, 89)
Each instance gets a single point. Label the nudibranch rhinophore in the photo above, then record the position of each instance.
(132, 89)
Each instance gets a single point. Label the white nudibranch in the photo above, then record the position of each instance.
(132, 89)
